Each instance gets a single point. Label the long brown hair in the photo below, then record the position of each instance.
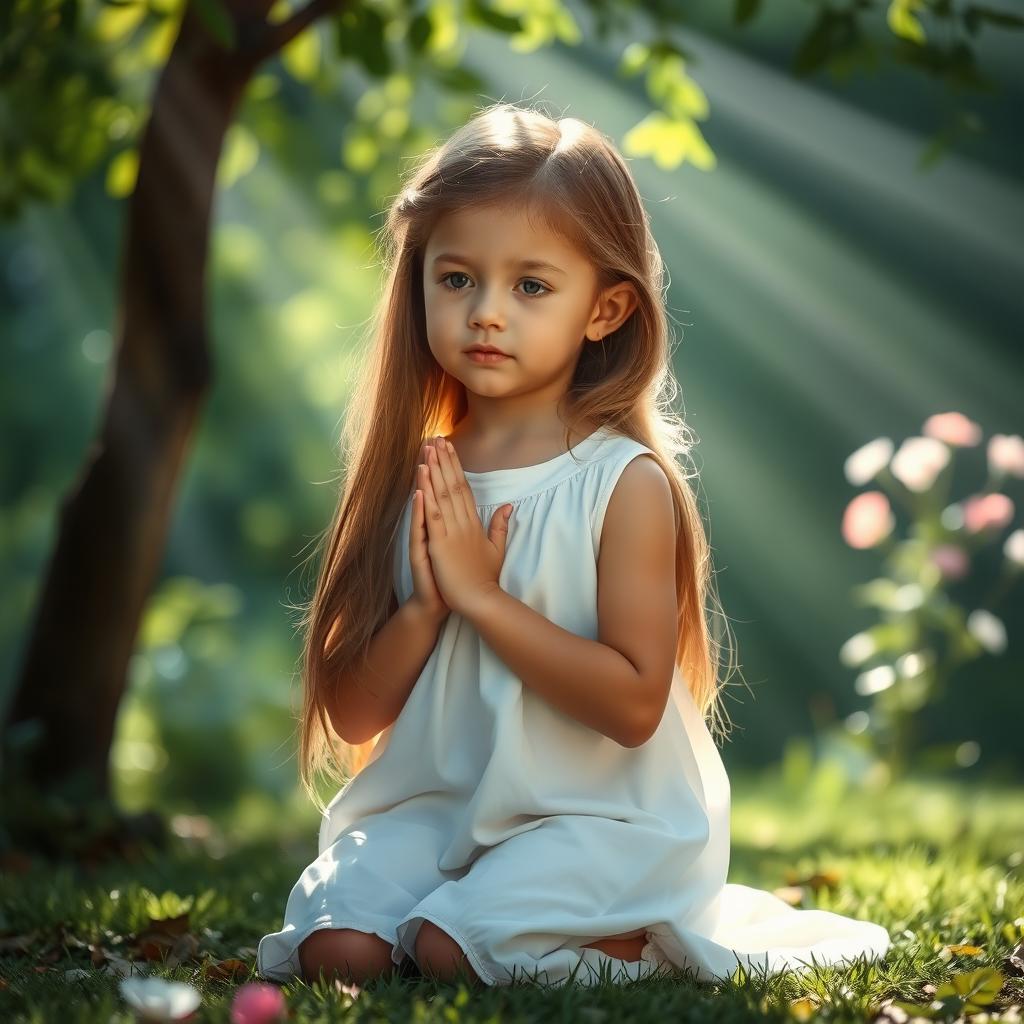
(570, 175)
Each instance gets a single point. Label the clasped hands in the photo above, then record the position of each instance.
(463, 559)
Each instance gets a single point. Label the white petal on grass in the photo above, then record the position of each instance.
(156, 999)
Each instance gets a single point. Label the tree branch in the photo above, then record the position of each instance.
(259, 40)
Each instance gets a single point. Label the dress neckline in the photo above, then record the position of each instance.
(494, 485)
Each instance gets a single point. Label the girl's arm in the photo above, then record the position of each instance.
(368, 703)
(620, 683)
(586, 679)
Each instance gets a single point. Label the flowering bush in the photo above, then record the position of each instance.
(906, 659)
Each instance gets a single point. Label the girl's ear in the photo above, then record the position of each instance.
(617, 303)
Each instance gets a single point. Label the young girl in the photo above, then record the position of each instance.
(533, 786)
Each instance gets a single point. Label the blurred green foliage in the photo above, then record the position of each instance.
(820, 316)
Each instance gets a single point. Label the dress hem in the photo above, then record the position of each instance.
(456, 935)
(292, 960)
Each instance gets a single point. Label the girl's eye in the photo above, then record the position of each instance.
(526, 280)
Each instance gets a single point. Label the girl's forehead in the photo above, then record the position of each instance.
(517, 217)
(505, 227)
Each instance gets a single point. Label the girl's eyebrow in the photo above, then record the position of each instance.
(452, 257)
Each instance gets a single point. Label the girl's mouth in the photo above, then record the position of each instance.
(487, 357)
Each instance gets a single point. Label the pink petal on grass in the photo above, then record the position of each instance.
(954, 428)
(867, 520)
(257, 1003)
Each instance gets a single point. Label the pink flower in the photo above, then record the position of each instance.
(918, 462)
(951, 561)
(867, 520)
(954, 428)
(1006, 454)
(987, 512)
(257, 1003)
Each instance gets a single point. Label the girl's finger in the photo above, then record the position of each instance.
(456, 486)
(442, 492)
(431, 512)
(416, 532)
(468, 499)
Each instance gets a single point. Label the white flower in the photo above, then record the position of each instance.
(919, 461)
(967, 753)
(913, 663)
(1006, 454)
(988, 630)
(155, 999)
(875, 680)
(908, 597)
(868, 461)
(857, 649)
(857, 722)
(1014, 547)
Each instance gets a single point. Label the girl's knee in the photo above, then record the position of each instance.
(357, 956)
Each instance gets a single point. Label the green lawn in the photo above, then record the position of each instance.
(938, 864)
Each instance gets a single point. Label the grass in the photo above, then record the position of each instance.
(939, 864)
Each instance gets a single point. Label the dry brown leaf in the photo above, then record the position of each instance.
(820, 880)
(231, 969)
(792, 894)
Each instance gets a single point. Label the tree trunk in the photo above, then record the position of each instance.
(113, 523)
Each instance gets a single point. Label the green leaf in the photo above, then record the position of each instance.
(419, 32)
(634, 59)
(878, 593)
(301, 56)
(458, 79)
(977, 988)
(669, 142)
(903, 22)
(359, 33)
(745, 10)
(218, 22)
(977, 13)
(479, 13)
(833, 32)
(919, 1009)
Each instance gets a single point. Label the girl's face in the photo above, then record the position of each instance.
(492, 276)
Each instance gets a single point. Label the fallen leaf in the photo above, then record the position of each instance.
(819, 880)
(231, 969)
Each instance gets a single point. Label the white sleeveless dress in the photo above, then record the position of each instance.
(523, 833)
